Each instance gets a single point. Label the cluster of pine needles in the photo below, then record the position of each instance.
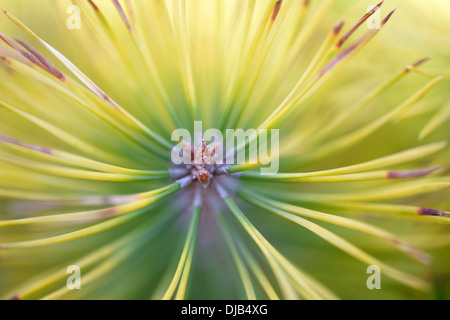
(85, 145)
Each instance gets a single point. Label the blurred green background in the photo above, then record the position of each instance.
(418, 29)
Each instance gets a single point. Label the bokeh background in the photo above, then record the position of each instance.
(418, 29)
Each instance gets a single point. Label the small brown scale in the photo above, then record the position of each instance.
(203, 166)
